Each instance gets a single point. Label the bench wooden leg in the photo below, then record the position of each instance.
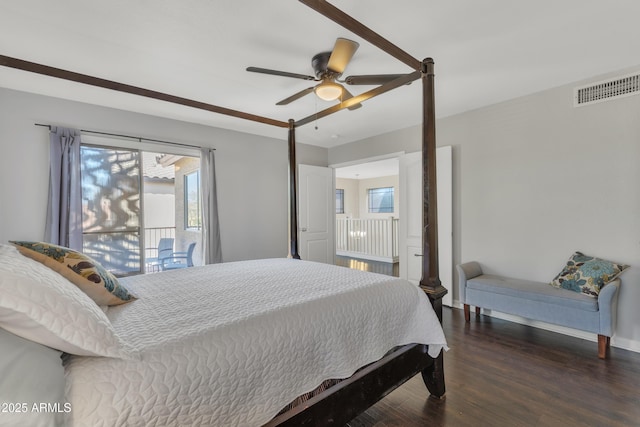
(467, 312)
(603, 346)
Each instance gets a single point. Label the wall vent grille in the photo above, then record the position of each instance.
(607, 90)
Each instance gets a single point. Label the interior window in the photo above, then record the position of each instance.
(339, 201)
(380, 200)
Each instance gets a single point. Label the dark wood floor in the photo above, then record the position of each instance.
(500, 373)
(388, 268)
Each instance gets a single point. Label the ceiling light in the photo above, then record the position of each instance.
(328, 90)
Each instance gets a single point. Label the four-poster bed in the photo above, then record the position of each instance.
(340, 403)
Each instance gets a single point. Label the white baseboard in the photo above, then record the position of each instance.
(623, 343)
(626, 344)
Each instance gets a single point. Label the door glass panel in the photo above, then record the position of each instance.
(111, 207)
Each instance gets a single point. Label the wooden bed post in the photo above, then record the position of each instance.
(430, 281)
(293, 194)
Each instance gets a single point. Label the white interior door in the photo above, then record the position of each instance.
(316, 214)
(410, 224)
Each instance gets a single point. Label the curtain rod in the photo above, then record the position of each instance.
(138, 138)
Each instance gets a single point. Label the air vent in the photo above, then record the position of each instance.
(607, 90)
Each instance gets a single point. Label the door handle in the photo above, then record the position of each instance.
(418, 255)
(303, 229)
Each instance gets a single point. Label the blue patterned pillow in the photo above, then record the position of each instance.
(587, 274)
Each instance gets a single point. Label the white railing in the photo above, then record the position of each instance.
(375, 239)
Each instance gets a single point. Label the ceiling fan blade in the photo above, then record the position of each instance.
(342, 53)
(295, 96)
(280, 73)
(372, 79)
(346, 95)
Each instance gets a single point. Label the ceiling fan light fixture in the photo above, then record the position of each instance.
(328, 90)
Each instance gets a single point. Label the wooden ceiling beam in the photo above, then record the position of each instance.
(321, 6)
(400, 81)
(356, 27)
(134, 90)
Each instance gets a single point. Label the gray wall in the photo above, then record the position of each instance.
(251, 170)
(536, 179)
(351, 189)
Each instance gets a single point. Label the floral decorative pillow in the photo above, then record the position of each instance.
(587, 274)
(83, 271)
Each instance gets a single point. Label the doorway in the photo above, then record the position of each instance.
(367, 216)
(407, 213)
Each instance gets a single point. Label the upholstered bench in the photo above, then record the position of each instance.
(540, 301)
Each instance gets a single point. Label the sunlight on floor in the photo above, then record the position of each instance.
(390, 269)
(358, 265)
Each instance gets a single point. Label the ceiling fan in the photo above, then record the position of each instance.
(328, 68)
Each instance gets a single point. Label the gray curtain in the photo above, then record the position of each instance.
(211, 247)
(64, 208)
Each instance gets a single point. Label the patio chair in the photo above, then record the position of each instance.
(179, 259)
(165, 250)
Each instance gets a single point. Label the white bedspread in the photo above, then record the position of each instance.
(231, 344)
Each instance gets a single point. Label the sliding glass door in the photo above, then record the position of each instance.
(111, 211)
(131, 199)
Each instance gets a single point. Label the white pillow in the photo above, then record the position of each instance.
(40, 305)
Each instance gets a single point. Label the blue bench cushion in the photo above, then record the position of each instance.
(534, 291)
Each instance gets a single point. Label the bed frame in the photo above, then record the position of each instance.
(347, 399)
(339, 404)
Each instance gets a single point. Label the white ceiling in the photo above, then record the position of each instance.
(485, 52)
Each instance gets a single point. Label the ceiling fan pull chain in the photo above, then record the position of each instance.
(316, 104)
